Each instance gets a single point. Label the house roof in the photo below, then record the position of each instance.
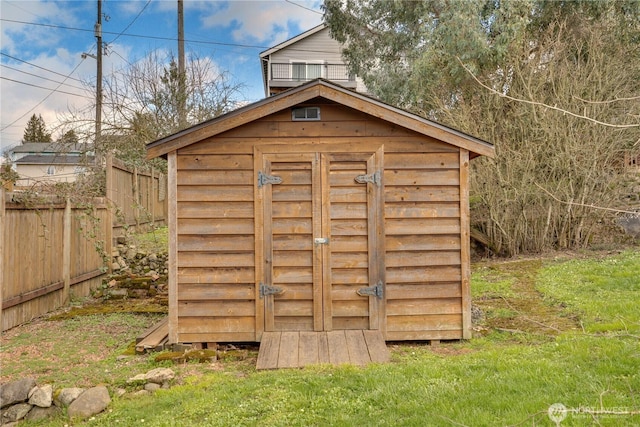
(292, 40)
(314, 89)
(47, 147)
(60, 159)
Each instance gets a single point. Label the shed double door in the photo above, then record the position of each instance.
(322, 264)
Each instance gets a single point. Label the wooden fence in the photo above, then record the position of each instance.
(139, 196)
(48, 254)
(52, 251)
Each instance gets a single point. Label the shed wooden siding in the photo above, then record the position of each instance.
(216, 217)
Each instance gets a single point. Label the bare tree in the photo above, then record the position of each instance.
(561, 131)
(141, 102)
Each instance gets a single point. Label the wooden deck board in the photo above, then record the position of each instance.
(308, 349)
(269, 350)
(357, 347)
(154, 337)
(293, 349)
(288, 354)
(378, 350)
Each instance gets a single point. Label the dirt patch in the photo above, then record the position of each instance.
(72, 344)
(93, 307)
(524, 310)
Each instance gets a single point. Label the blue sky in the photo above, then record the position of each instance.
(41, 45)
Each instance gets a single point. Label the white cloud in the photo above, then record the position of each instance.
(58, 50)
(265, 22)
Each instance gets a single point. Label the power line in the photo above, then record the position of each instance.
(134, 35)
(304, 7)
(44, 99)
(37, 66)
(40, 77)
(42, 87)
(172, 39)
(131, 23)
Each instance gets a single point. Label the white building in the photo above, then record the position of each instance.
(310, 55)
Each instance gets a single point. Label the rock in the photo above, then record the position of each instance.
(67, 395)
(121, 392)
(121, 240)
(15, 412)
(121, 262)
(153, 257)
(115, 266)
(119, 293)
(36, 413)
(160, 375)
(41, 396)
(477, 314)
(141, 393)
(91, 402)
(16, 391)
(151, 387)
(131, 254)
(137, 378)
(631, 224)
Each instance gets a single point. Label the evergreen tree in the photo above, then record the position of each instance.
(36, 130)
(69, 138)
(553, 84)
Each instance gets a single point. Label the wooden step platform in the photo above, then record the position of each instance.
(298, 349)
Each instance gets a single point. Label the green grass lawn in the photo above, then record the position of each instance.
(553, 332)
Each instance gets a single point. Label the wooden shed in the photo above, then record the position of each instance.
(318, 209)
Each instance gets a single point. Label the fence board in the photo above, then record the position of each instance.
(34, 256)
(138, 196)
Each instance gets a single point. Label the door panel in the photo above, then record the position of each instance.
(321, 242)
(288, 232)
(349, 260)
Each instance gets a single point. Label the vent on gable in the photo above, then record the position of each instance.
(305, 114)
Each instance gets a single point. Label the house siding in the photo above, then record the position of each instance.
(317, 47)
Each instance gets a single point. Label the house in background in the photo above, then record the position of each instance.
(308, 56)
(39, 162)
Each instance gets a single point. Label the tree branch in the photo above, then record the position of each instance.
(582, 204)
(541, 104)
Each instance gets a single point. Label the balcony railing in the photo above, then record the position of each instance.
(301, 72)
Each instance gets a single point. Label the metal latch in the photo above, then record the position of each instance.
(374, 178)
(374, 291)
(264, 179)
(269, 290)
(321, 240)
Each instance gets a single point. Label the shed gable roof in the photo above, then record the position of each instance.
(324, 89)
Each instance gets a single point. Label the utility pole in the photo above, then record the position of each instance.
(182, 76)
(98, 33)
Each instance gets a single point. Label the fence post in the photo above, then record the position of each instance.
(66, 252)
(152, 199)
(136, 198)
(2, 270)
(110, 199)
